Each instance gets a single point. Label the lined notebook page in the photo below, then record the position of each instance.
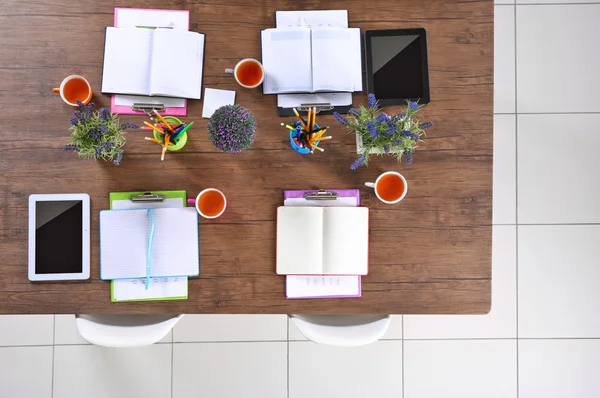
(336, 59)
(124, 238)
(160, 288)
(345, 240)
(127, 59)
(286, 59)
(181, 77)
(322, 286)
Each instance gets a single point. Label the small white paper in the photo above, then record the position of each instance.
(322, 286)
(214, 99)
(159, 288)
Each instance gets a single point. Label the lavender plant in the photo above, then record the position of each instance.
(97, 134)
(397, 135)
(232, 128)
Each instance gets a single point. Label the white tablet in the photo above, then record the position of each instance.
(59, 237)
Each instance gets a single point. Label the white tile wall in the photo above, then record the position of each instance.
(225, 370)
(460, 368)
(320, 371)
(545, 269)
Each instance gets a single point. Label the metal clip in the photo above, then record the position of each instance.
(320, 107)
(148, 197)
(321, 194)
(148, 108)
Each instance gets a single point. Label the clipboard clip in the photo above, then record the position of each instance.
(320, 107)
(147, 197)
(148, 108)
(321, 194)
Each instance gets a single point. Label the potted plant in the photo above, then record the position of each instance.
(380, 134)
(232, 128)
(97, 134)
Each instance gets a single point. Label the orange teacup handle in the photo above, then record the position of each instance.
(56, 90)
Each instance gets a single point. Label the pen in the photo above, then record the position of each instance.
(301, 120)
(162, 119)
(182, 131)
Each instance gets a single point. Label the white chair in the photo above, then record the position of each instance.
(125, 330)
(342, 330)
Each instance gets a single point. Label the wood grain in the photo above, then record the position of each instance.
(429, 254)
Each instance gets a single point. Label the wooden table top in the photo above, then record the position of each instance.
(431, 253)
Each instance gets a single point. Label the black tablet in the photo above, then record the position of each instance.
(397, 65)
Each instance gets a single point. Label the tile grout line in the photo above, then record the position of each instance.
(288, 358)
(172, 361)
(516, 204)
(53, 347)
(402, 355)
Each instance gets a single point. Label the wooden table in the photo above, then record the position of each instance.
(429, 254)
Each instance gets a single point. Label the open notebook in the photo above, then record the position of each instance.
(164, 239)
(322, 240)
(300, 60)
(165, 62)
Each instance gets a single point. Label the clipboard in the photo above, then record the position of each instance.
(318, 198)
(147, 199)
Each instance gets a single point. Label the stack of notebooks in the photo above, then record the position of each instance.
(148, 250)
(322, 245)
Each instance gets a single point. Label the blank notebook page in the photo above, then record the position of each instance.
(127, 54)
(299, 240)
(124, 238)
(346, 240)
(177, 61)
(286, 59)
(336, 59)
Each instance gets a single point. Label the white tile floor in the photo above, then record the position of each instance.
(541, 338)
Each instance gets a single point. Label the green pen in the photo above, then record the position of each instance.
(182, 131)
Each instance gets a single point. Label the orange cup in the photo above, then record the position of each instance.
(74, 88)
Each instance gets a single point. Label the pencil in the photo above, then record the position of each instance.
(153, 140)
(309, 122)
(304, 126)
(162, 119)
(154, 128)
(287, 126)
(320, 149)
(314, 119)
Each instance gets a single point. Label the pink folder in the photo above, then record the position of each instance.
(126, 110)
(343, 193)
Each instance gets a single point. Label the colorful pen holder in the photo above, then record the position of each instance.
(182, 141)
(296, 147)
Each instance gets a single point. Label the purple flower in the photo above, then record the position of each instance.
(232, 128)
(354, 112)
(391, 128)
(74, 121)
(98, 151)
(108, 145)
(71, 147)
(372, 129)
(386, 148)
(372, 101)
(398, 117)
(104, 129)
(126, 125)
(118, 157)
(413, 106)
(104, 114)
(94, 133)
(78, 115)
(415, 136)
(340, 119)
(88, 110)
(80, 104)
(397, 142)
(408, 155)
(407, 133)
(381, 118)
(425, 125)
(358, 162)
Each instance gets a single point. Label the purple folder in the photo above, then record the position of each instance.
(318, 280)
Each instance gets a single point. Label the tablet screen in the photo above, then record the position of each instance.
(59, 237)
(397, 66)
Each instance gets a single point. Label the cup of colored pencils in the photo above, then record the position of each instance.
(305, 134)
(169, 132)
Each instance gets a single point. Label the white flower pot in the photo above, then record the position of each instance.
(359, 144)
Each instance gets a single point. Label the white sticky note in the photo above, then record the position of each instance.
(214, 99)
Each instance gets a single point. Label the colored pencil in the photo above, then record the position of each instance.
(182, 131)
(314, 118)
(287, 126)
(162, 119)
(154, 128)
(304, 126)
(153, 140)
(320, 149)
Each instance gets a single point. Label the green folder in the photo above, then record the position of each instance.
(127, 196)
